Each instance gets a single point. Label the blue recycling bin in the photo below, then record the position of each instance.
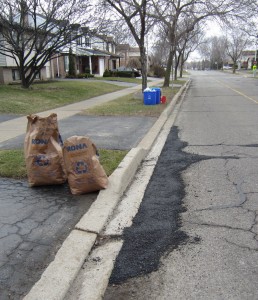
(149, 97)
(158, 94)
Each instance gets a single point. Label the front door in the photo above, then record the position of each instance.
(101, 66)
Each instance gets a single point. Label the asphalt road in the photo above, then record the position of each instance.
(196, 232)
(34, 222)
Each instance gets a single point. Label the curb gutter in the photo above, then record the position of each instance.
(61, 272)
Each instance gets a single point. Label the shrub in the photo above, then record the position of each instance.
(107, 73)
(87, 70)
(158, 71)
(126, 74)
(85, 75)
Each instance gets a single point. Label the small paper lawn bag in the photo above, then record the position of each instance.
(43, 152)
(84, 171)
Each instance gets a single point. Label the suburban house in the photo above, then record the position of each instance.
(126, 52)
(93, 54)
(247, 59)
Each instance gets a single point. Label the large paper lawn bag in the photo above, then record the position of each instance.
(84, 171)
(43, 153)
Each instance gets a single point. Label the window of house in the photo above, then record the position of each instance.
(16, 75)
(87, 42)
(79, 41)
(37, 76)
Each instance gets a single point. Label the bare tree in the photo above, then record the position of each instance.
(32, 31)
(188, 44)
(160, 49)
(213, 50)
(135, 15)
(236, 41)
(172, 12)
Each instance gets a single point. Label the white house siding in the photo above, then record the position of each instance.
(10, 62)
(2, 60)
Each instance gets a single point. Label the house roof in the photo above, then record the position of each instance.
(120, 47)
(91, 52)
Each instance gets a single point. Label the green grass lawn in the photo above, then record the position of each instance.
(12, 162)
(44, 96)
(120, 79)
(130, 106)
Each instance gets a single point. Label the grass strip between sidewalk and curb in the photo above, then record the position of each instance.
(131, 105)
(12, 162)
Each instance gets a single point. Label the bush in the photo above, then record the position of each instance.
(70, 76)
(82, 75)
(126, 74)
(107, 73)
(87, 70)
(116, 73)
(158, 71)
(85, 75)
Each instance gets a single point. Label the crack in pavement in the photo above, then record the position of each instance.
(33, 224)
(156, 229)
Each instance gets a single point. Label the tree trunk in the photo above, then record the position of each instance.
(168, 70)
(24, 79)
(181, 70)
(182, 65)
(234, 67)
(143, 67)
(176, 66)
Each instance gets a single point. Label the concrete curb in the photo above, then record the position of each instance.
(59, 275)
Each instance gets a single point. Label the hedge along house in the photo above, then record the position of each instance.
(93, 54)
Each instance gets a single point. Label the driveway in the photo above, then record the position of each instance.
(35, 221)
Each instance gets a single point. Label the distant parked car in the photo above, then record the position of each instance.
(227, 67)
(136, 72)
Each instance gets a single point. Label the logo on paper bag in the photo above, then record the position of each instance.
(41, 161)
(81, 167)
(76, 147)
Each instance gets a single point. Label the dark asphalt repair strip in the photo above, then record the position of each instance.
(156, 227)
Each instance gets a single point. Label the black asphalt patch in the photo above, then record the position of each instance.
(156, 227)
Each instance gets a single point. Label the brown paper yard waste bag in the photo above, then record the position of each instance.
(43, 153)
(84, 171)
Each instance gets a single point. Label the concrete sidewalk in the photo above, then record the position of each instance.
(17, 126)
